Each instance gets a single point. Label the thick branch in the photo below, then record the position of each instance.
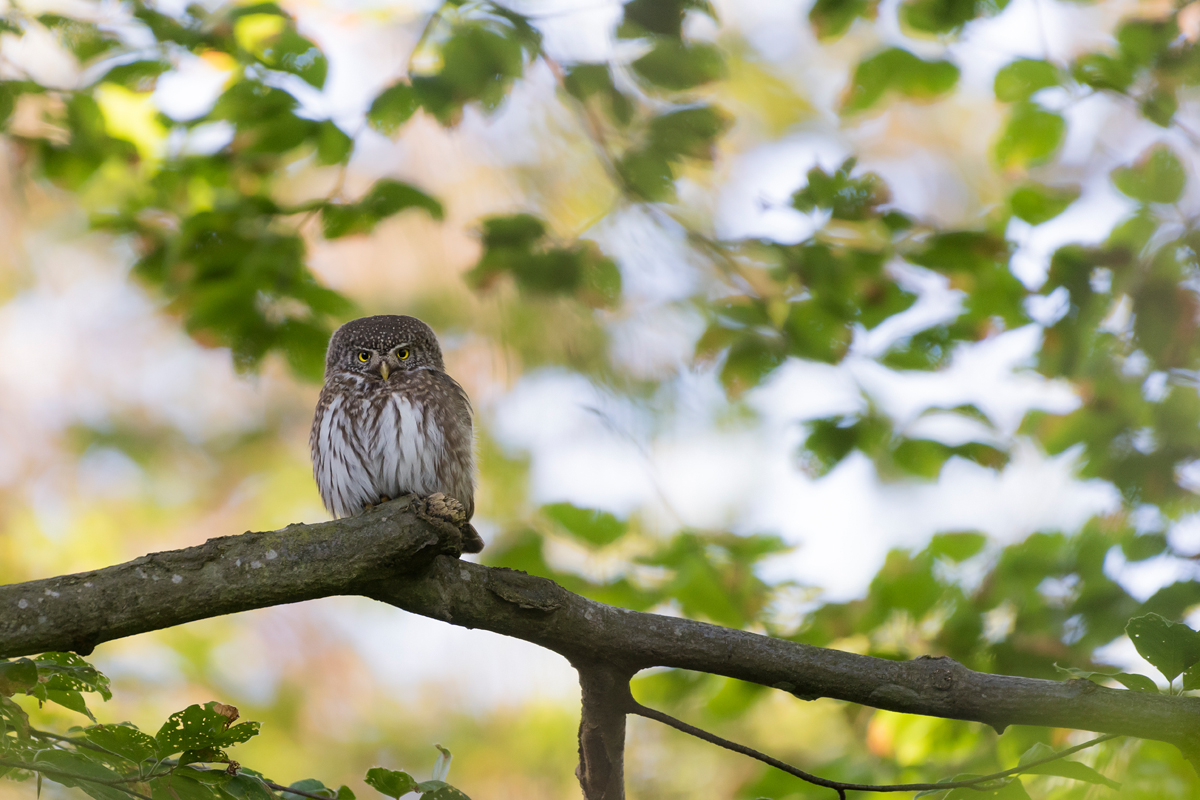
(391, 555)
(221, 576)
(606, 701)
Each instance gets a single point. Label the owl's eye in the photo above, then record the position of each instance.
(364, 356)
(402, 353)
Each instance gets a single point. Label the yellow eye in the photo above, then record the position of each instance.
(402, 353)
(364, 356)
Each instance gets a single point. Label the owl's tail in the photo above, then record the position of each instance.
(472, 541)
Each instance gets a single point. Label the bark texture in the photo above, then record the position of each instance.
(395, 557)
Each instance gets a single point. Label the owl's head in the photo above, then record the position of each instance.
(381, 346)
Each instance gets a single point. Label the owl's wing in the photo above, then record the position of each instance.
(454, 416)
(338, 458)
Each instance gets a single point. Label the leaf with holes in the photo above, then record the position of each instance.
(1171, 647)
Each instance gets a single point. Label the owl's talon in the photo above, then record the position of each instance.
(444, 508)
(446, 512)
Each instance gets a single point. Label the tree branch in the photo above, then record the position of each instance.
(842, 787)
(221, 576)
(392, 556)
(606, 699)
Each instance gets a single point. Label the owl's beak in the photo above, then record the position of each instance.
(383, 369)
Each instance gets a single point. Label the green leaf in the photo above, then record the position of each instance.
(244, 786)
(1134, 681)
(1061, 767)
(333, 145)
(291, 52)
(1011, 790)
(438, 790)
(648, 170)
(897, 70)
(75, 770)
(1036, 203)
(1030, 137)
(137, 75)
(386, 198)
(944, 16)
(390, 782)
(846, 197)
(689, 132)
(831, 18)
(957, 546)
(1144, 42)
(1102, 72)
(123, 739)
(310, 785)
(441, 767)
(480, 60)
(17, 677)
(84, 39)
(594, 527)
(515, 245)
(8, 99)
(186, 783)
(675, 65)
(1159, 106)
(1020, 79)
(1191, 678)
(70, 699)
(69, 672)
(1156, 177)
(585, 81)
(201, 728)
(392, 108)
(661, 17)
(518, 231)
(1171, 647)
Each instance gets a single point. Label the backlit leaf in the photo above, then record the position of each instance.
(1156, 177)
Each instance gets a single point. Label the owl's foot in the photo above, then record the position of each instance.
(441, 510)
(382, 499)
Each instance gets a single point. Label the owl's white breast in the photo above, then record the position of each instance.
(406, 448)
(340, 464)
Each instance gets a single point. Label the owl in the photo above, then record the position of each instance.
(391, 422)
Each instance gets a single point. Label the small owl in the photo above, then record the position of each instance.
(391, 422)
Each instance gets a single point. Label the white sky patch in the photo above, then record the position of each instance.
(99, 371)
(589, 449)
(1087, 221)
(1143, 578)
(756, 201)
(580, 30)
(190, 89)
(985, 374)
(655, 261)
(654, 343)
(845, 522)
(936, 303)
(803, 390)
(37, 55)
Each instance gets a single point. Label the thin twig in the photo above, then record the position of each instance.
(280, 788)
(51, 772)
(841, 787)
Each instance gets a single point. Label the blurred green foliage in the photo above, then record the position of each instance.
(214, 238)
(114, 762)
